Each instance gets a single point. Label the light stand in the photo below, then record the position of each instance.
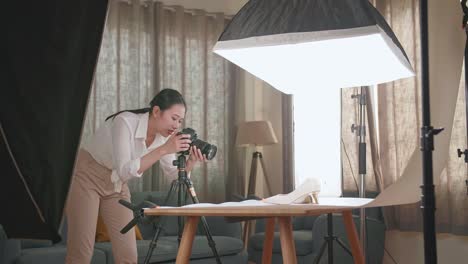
(361, 132)
(427, 145)
(183, 185)
(328, 242)
(304, 47)
(465, 20)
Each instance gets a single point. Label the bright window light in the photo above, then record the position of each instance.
(317, 126)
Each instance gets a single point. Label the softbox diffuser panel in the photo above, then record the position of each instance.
(308, 44)
(49, 52)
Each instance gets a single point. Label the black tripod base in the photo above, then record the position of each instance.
(184, 186)
(328, 242)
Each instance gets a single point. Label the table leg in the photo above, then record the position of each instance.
(185, 249)
(268, 242)
(287, 240)
(245, 236)
(353, 238)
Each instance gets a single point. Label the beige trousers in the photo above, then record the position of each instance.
(92, 192)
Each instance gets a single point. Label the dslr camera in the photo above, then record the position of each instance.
(207, 149)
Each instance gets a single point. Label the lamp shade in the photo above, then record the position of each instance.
(307, 44)
(258, 133)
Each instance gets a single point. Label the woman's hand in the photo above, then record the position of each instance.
(177, 143)
(195, 157)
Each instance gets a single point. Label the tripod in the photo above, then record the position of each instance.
(183, 185)
(465, 20)
(328, 242)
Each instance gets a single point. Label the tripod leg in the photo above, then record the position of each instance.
(161, 221)
(209, 237)
(330, 237)
(328, 241)
(321, 251)
(180, 223)
(342, 244)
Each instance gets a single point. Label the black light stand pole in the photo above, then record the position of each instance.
(464, 24)
(427, 145)
(361, 131)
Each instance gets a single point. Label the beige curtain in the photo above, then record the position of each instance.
(150, 46)
(399, 115)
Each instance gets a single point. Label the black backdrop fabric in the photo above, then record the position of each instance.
(49, 52)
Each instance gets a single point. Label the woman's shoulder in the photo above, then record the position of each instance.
(128, 117)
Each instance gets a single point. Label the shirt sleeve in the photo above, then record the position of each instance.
(125, 166)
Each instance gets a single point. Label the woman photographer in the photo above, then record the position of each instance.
(128, 144)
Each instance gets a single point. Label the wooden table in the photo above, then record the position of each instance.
(283, 213)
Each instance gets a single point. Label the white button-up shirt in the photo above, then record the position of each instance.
(119, 145)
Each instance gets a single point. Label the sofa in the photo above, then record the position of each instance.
(309, 233)
(227, 237)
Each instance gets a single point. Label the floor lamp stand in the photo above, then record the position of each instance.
(256, 158)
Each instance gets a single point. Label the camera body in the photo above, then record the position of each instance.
(207, 149)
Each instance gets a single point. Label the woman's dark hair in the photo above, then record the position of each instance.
(164, 100)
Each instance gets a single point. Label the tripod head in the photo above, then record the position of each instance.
(180, 162)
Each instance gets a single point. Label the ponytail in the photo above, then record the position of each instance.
(165, 99)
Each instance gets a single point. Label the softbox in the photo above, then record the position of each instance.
(301, 44)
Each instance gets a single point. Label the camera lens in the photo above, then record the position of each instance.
(206, 149)
(210, 151)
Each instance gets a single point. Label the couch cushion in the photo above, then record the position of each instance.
(167, 247)
(220, 227)
(52, 255)
(224, 245)
(165, 250)
(302, 239)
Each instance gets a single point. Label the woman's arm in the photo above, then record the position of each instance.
(149, 159)
(127, 167)
(174, 144)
